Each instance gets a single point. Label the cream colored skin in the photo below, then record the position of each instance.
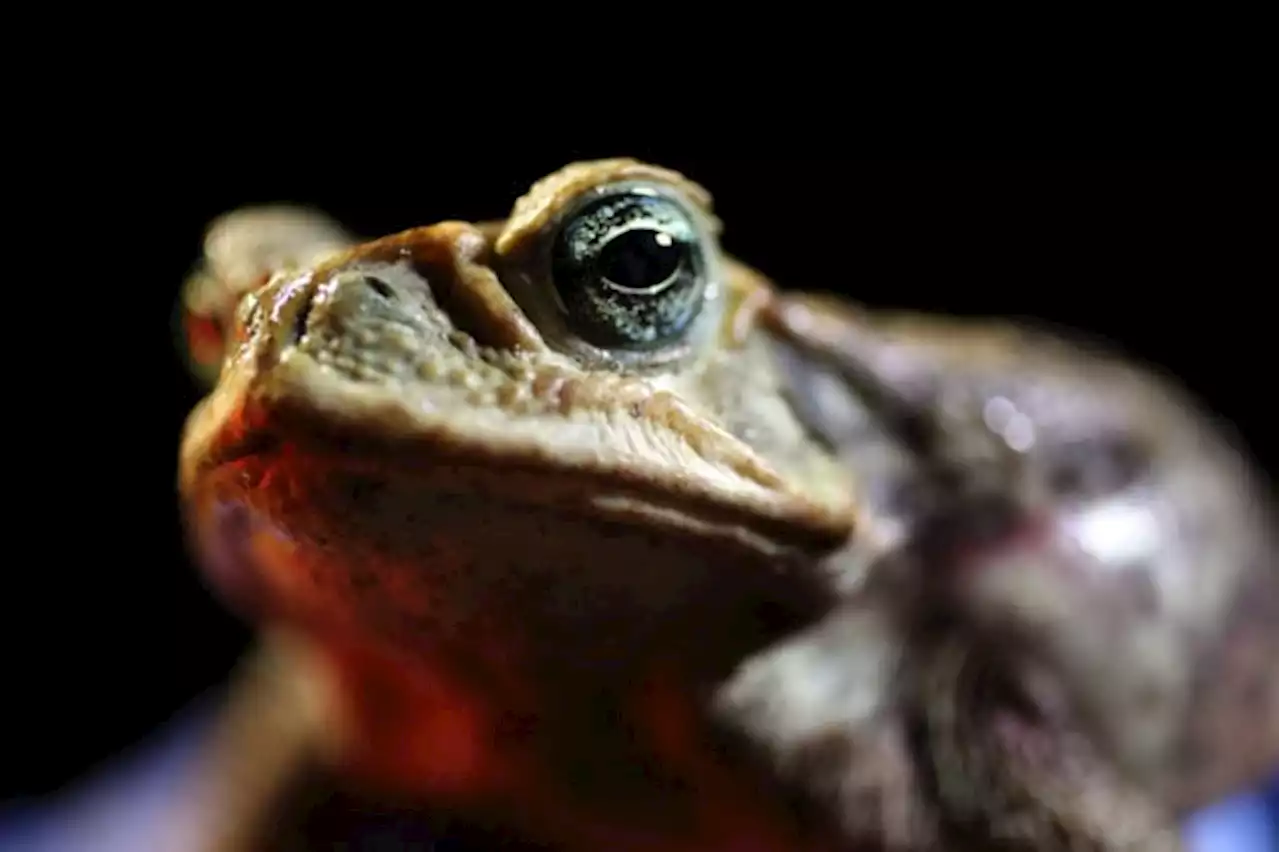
(439, 378)
(478, 484)
(565, 491)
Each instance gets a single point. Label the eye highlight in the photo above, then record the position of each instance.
(629, 269)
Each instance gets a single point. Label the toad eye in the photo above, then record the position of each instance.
(629, 269)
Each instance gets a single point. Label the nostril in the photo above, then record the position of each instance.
(301, 318)
(382, 288)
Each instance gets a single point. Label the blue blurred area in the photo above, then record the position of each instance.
(121, 808)
(1240, 824)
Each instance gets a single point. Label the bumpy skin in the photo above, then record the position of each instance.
(801, 577)
(1071, 633)
(526, 558)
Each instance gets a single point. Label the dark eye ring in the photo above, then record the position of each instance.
(629, 268)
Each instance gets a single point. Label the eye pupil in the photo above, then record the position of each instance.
(640, 260)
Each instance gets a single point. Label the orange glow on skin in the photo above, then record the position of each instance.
(411, 728)
(204, 339)
(415, 724)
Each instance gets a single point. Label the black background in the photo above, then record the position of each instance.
(108, 631)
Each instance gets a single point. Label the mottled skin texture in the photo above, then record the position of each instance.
(800, 577)
(1080, 635)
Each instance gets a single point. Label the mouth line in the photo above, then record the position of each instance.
(449, 465)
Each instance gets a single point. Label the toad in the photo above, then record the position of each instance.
(572, 525)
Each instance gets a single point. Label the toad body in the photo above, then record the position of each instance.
(572, 525)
